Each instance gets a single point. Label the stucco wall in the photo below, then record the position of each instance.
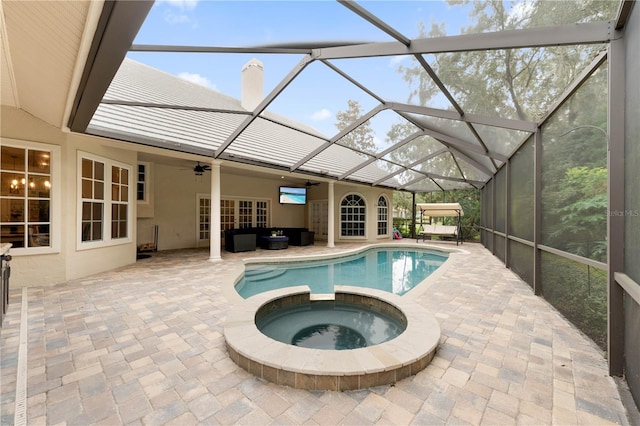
(176, 190)
(371, 196)
(44, 269)
(68, 263)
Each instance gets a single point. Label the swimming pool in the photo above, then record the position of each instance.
(394, 270)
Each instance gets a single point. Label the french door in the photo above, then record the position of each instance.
(318, 218)
(234, 213)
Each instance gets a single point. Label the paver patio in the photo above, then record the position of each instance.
(144, 345)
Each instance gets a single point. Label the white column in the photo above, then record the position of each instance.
(330, 217)
(214, 230)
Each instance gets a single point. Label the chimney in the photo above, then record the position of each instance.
(252, 84)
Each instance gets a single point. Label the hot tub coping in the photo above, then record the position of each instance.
(306, 368)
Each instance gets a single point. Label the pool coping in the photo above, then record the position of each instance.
(317, 369)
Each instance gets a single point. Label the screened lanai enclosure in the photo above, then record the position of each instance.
(535, 104)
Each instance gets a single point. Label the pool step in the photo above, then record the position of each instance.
(259, 274)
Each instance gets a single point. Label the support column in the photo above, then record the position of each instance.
(616, 207)
(330, 216)
(507, 213)
(537, 211)
(413, 215)
(215, 224)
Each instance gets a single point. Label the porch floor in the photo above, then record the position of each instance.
(143, 345)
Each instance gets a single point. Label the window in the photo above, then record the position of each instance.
(142, 184)
(28, 211)
(119, 201)
(105, 208)
(92, 199)
(383, 216)
(352, 216)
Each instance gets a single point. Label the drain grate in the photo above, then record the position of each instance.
(20, 414)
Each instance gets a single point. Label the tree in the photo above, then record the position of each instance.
(514, 83)
(361, 138)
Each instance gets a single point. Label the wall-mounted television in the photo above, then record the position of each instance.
(293, 195)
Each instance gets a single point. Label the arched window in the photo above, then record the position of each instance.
(383, 216)
(353, 213)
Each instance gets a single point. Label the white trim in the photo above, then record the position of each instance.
(55, 227)
(389, 216)
(106, 241)
(147, 182)
(366, 213)
(236, 208)
(203, 242)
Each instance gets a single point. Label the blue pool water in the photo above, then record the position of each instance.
(329, 325)
(390, 269)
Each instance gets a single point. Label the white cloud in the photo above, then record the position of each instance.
(197, 79)
(395, 60)
(174, 19)
(322, 114)
(182, 4)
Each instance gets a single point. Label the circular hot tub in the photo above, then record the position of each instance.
(331, 324)
(362, 338)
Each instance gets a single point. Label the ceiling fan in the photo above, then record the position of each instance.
(199, 169)
(308, 183)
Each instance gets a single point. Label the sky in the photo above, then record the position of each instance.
(318, 93)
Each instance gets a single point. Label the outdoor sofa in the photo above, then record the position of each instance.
(247, 239)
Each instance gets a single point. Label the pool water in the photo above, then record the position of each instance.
(389, 269)
(330, 325)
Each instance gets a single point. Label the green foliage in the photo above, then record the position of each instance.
(362, 137)
(579, 292)
(514, 83)
(574, 173)
(581, 203)
(469, 200)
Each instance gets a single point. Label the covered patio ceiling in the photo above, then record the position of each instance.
(430, 136)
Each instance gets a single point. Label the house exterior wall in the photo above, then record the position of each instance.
(171, 204)
(67, 262)
(235, 185)
(370, 195)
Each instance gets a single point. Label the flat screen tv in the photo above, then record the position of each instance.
(292, 195)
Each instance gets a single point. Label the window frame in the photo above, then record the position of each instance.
(364, 222)
(146, 183)
(107, 239)
(256, 212)
(386, 219)
(55, 197)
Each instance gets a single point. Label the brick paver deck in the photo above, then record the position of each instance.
(144, 345)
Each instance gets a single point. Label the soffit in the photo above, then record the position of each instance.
(41, 41)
